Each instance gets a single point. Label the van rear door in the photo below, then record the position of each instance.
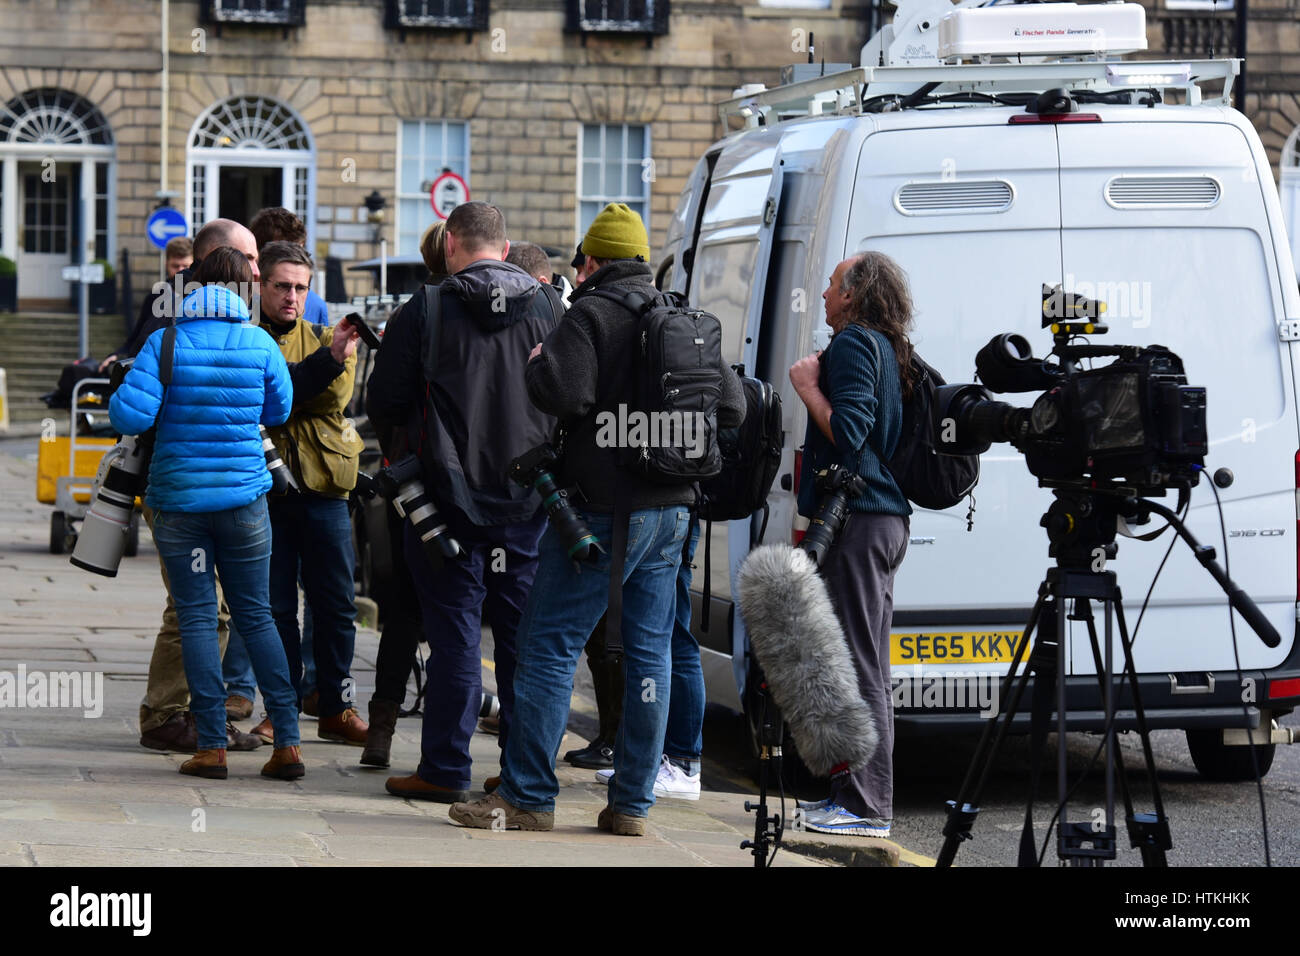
(1166, 222)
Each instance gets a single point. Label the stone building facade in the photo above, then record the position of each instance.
(322, 113)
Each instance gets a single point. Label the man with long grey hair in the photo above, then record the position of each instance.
(854, 392)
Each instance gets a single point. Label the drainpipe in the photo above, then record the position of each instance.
(164, 114)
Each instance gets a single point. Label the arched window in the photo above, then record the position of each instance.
(54, 118)
(246, 153)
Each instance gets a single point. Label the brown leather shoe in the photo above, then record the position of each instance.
(177, 735)
(311, 704)
(238, 708)
(379, 739)
(490, 725)
(285, 764)
(206, 763)
(264, 730)
(347, 727)
(491, 783)
(415, 788)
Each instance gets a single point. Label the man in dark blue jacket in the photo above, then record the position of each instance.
(467, 416)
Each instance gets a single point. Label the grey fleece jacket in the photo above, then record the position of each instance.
(586, 367)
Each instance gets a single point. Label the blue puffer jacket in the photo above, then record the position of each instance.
(227, 377)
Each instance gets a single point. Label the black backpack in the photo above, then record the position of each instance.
(678, 372)
(751, 456)
(924, 476)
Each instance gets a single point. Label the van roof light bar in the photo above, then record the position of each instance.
(845, 93)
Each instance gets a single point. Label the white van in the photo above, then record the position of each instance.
(1156, 197)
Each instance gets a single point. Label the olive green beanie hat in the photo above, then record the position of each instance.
(617, 233)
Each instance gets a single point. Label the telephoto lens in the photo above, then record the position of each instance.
(281, 476)
(401, 484)
(837, 486)
(123, 475)
(532, 470)
(489, 706)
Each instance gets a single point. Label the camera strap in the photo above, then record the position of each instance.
(166, 361)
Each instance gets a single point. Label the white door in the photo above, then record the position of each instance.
(46, 202)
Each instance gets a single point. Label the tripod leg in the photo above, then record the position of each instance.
(961, 812)
(1149, 832)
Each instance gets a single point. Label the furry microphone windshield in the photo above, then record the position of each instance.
(801, 647)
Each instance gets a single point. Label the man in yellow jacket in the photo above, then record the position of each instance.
(310, 525)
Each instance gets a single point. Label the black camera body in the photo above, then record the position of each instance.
(835, 486)
(1135, 421)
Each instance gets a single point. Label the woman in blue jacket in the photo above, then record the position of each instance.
(207, 486)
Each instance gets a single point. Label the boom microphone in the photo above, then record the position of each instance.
(805, 657)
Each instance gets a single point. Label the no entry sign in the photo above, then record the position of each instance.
(447, 192)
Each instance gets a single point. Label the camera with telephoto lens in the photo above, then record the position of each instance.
(281, 476)
(123, 476)
(835, 486)
(1135, 422)
(401, 483)
(532, 469)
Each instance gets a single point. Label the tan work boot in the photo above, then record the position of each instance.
(285, 764)
(494, 813)
(206, 763)
(238, 707)
(620, 824)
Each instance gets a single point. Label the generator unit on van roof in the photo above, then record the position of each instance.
(919, 59)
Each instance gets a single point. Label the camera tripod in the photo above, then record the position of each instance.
(1081, 525)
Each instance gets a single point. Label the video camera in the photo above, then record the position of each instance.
(1135, 422)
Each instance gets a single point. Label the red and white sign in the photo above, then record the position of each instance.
(447, 192)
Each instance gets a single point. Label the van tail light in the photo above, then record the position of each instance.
(1278, 689)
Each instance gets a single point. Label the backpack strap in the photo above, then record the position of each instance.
(553, 297)
(634, 300)
(167, 357)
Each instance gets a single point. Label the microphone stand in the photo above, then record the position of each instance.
(768, 827)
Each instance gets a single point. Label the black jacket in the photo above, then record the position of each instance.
(157, 309)
(468, 416)
(586, 367)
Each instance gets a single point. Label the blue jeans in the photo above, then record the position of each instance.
(565, 603)
(684, 738)
(493, 582)
(236, 544)
(317, 532)
(238, 669)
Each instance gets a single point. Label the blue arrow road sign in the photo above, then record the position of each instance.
(165, 223)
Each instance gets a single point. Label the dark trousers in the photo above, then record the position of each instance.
(316, 533)
(494, 579)
(859, 572)
(401, 634)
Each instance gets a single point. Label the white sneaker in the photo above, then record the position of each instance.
(835, 819)
(672, 781)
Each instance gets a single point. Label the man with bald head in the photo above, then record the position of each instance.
(161, 304)
(165, 719)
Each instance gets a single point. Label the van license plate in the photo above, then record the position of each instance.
(959, 647)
